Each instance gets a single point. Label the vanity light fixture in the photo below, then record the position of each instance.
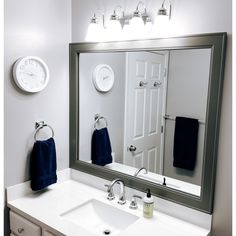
(148, 23)
(137, 23)
(95, 31)
(138, 26)
(126, 32)
(114, 27)
(162, 19)
(162, 12)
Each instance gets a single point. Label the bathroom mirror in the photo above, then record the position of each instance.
(155, 87)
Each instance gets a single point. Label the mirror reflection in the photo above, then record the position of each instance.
(143, 113)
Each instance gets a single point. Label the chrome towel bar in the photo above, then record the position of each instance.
(168, 117)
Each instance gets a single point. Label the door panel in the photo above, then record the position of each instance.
(139, 113)
(153, 112)
(138, 160)
(152, 153)
(144, 109)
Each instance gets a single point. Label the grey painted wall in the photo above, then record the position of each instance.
(189, 17)
(43, 29)
(187, 91)
(110, 104)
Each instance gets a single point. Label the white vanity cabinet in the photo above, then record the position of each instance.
(19, 225)
(55, 212)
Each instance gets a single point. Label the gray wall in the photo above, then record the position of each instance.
(189, 17)
(110, 104)
(187, 91)
(40, 28)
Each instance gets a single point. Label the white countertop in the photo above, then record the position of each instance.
(47, 206)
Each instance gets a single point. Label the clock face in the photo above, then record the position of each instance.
(103, 78)
(31, 74)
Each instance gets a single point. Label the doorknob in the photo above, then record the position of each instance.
(157, 83)
(132, 148)
(141, 83)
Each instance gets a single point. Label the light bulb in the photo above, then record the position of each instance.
(126, 32)
(148, 26)
(114, 28)
(95, 31)
(161, 25)
(136, 25)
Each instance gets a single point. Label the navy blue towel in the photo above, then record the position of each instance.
(185, 142)
(101, 147)
(43, 164)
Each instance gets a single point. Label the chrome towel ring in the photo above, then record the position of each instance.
(39, 125)
(97, 118)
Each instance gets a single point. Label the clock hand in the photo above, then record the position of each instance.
(106, 77)
(28, 73)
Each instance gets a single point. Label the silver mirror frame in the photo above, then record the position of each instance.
(216, 42)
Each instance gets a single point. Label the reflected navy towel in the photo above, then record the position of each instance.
(185, 142)
(43, 164)
(101, 147)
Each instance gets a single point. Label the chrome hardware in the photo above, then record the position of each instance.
(164, 181)
(132, 148)
(133, 203)
(168, 117)
(110, 195)
(20, 230)
(157, 83)
(138, 170)
(141, 83)
(39, 125)
(97, 118)
(122, 199)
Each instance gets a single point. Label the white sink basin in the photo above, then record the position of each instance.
(100, 218)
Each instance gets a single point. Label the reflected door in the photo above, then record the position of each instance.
(145, 108)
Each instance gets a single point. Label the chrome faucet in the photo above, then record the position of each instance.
(138, 170)
(111, 196)
(133, 203)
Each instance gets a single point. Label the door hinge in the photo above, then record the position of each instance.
(162, 129)
(165, 72)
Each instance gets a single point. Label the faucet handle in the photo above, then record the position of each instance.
(110, 195)
(122, 199)
(133, 203)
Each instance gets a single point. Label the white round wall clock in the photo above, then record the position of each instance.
(103, 78)
(31, 74)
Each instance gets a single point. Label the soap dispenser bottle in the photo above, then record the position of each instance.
(148, 205)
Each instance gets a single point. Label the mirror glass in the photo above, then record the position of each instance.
(151, 106)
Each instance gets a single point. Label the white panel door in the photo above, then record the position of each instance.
(145, 108)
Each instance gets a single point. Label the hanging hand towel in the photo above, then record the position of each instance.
(185, 142)
(101, 147)
(43, 164)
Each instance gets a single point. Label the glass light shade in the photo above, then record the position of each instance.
(126, 32)
(94, 33)
(114, 29)
(161, 25)
(148, 28)
(136, 27)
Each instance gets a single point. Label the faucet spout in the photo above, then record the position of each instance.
(122, 199)
(138, 170)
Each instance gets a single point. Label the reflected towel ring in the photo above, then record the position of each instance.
(40, 125)
(97, 119)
